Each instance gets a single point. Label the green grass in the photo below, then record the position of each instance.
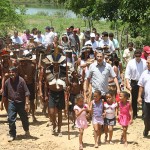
(60, 23)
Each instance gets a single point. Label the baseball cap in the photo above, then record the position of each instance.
(92, 35)
(146, 49)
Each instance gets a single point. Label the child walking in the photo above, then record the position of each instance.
(110, 116)
(81, 110)
(96, 108)
(125, 115)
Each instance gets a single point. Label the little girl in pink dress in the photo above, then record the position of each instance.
(81, 122)
(125, 114)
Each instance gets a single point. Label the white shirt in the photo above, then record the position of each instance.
(110, 110)
(144, 82)
(135, 69)
(39, 39)
(94, 44)
(128, 54)
(109, 43)
(49, 38)
(17, 40)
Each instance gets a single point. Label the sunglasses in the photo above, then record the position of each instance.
(137, 55)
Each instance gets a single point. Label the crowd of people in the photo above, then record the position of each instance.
(80, 73)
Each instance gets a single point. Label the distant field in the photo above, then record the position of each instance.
(60, 24)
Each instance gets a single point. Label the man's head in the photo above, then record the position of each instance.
(38, 34)
(97, 35)
(92, 37)
(15, 34)
(52, 29)
(111, 36)
(13, 72)
(105, 36)
(74, 31)
(148, 63)
(47, 29)
(27, 32)
(100, 57)
(78, 30)
(94, 30)
(71, 28)
(130, 46)
(137, 55)
(146, 50)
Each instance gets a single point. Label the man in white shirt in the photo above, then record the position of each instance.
(92, 41)
(16, 39)
(39, 38)
(106, 44)
(144, 86)
(81, 37)
(49, 36)
(128, 53)
(115, 41)
(134, 69)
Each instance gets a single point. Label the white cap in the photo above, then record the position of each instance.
(92, 35)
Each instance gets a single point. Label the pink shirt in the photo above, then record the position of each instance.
(25, 38)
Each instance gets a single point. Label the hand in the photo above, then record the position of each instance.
(46, 98)
(131, 121)
(1, 91)
(139, 100)
(27, 107)
(129, 87)
(118, 91)
(104, 115)
(1, 106)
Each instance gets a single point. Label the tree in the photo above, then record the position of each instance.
(9, 19)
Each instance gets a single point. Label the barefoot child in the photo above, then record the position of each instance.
(96, 108)
(125, 114)
(110, 116)
(81, 122)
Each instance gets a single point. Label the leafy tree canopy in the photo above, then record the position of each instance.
(8, 16)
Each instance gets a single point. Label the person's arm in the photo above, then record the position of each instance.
(117, 85)
(78, 113)
(127, 76)
(141, 89)
(131, 114)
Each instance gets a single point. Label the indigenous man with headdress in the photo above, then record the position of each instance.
(56, 74)
(26, 70)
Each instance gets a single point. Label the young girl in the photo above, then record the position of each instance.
(96, 108)
(81, 122)
(125, 114)
(110, 119)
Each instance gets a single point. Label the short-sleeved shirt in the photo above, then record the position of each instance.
(144, 82)
(134, 69)
(109, 43)
(16, 90)
(116, 43)
(74, 40)
(17, 40)
(110, 110)
(99, 75)
(128, 54)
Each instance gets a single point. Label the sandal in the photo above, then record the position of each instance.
(96, 145)
(80, 147)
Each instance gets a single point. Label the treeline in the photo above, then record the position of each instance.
(37, 2)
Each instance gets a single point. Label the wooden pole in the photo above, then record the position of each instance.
(67, 97)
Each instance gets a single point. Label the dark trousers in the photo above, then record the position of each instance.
(13, 109)
(134, 93)
(146, 109)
